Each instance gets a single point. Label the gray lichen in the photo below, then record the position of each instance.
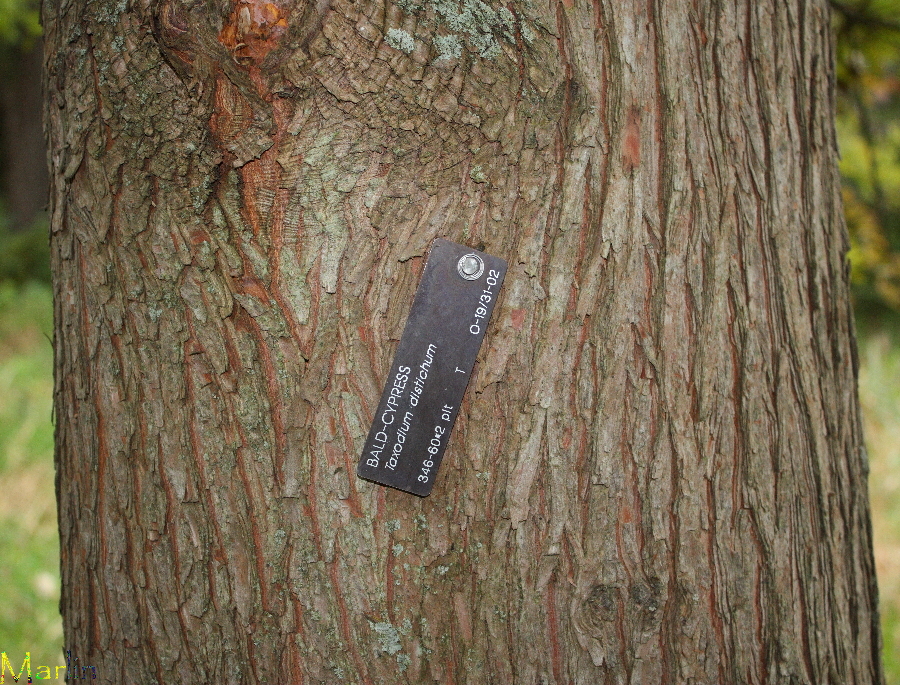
(388, 638)
(400, 40)
(527, 33)
(469, 24)
(448, 46)
(403, 662)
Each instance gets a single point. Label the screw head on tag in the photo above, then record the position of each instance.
(470, 266)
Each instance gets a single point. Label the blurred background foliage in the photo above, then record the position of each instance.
(29, 539)
(19, 23)
(868, 129)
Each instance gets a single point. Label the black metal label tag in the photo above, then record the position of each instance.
(431, 367)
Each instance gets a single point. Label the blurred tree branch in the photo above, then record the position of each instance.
(859, 15)
(23, 172)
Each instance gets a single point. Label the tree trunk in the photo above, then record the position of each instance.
(657, 475)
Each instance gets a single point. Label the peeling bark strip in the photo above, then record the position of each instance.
(657, 474)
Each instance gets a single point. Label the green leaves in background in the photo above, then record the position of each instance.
(24, 255)
(868, 128)
(19, 22)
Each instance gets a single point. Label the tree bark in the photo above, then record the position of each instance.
(657, 475)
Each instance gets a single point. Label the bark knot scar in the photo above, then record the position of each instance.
(253, 30)
(171, 27)
(173, 24)
(602, 604)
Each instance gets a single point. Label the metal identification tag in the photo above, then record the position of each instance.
(431, 368)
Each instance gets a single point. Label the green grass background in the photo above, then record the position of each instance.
(29, 546)
(29, 540)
